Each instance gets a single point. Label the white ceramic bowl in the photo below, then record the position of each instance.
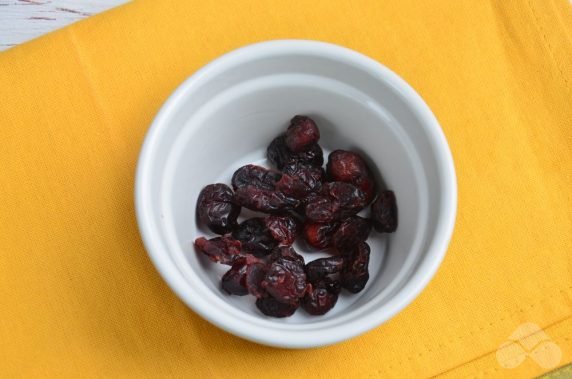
(226, 114)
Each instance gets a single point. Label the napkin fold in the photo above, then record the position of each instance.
(78, 295)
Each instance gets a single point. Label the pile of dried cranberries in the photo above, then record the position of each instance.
(301, 199)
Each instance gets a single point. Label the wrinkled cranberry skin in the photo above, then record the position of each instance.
(224, 250)
(351, 232)
(283, 229)
(234, 280)
(286, 252)
(279, 154)
(319, 235)
(345, 166)
(255, 236)
(348, 196)
(301, 134)
(321, 298)
(332, 285)
(255, 274)
(336, 201)
(299, 179)
(350, 167)
(262, 200)
(312, 157)
(324, 267)
(216, 208)
(355, 273)
(312, 176)
(322, 293)
(285, 280)
(252, 175)
(384, 212)
(321, 209)
(272, 307)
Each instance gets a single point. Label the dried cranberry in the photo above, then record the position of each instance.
(333, 285)
(319, 235)
(349, 198)
(321, 209)
(384, 212)
(336, 201)
(324, 267)
(252, 175)
(345, 166)
(234, 280)
(272, 307)
(263, 200)
(301, 134)
(282, 228)
(285, 280)
(351, 232)
(355, 273)
(279, 154)
(350, 167)
(216, 209)
(322, 297)
(255, 274)
(255, 236)
(223, 249)
(305, 201)
(300, 179)
(312, 175)
(312, 157)
(286, 252)
(259, 250)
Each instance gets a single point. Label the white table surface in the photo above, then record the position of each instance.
(23, 20)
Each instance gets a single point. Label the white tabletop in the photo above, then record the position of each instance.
(23, 20)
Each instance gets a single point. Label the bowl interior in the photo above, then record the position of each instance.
(227, 116)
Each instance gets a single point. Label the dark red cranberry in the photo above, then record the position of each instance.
(252, 175)
(255, 236)
(279, 154)
(286, 252)
(223, 249)
(308, 199)
(285, 280)
(299, 180)
(324, 267)
(345, 166)
(301, 134)
(350, 167)
(255, 274)
(234, 280)
(321, 209)
(272, 307)
(322, 297)
(355, 273)
(319, 235)
(351, 232)
(283, 229)
(216, 208)
(263, 200)
(384, 212)
(312, 157)
(336, 201)
(349, 199)
(263, 262)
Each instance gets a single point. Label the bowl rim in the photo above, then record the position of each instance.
(419, 279)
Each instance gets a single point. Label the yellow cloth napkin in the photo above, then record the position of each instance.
(80, 298)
